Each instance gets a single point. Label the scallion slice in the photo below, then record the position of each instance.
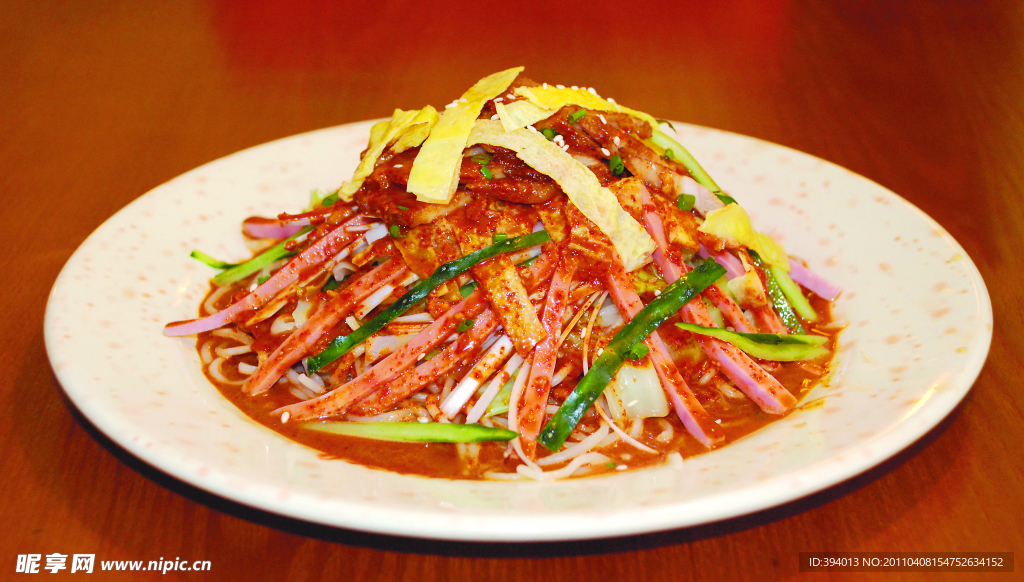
(616, 164)
(577, 115)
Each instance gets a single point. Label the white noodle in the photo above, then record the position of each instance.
(219, 376)
(566, 471)
(235, 351)
(209, 306)
(242, 338)
(584, 446)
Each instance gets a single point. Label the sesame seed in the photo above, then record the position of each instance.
(495, 117)
(421, 356)
(575, 88)
(496, 99)
(610, 100)
(606, 152)
(616, 140)
(657, 292)
(600, 351)
(398, 165)
(531, 128)
(603, 120)
(462, 100)
(285, 416)
(545, 86)
(718, 420)
(621, 467)
(591, 91)
(560, 86)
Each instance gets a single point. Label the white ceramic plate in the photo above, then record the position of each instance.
(920, 327)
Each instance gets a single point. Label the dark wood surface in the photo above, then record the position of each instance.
(102, 101)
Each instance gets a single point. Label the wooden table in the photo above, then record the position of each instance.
(103, 101)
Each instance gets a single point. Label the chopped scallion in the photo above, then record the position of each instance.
(403, 208)
(467, 289)
(465, 325)
(638, 351)
(670, 155)
(331, 284)
(577, 115)
(330, 200)
(396, 231)
(486, 172)
(686, 201)
(549, 133)
(617, 165)
(482, 159)
(499, 236)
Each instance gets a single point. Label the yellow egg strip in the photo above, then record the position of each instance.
(435, 172)
(577, 181)
(519, 114)
(553, 99)
(383, 133)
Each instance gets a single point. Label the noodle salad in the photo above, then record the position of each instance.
(532, 283)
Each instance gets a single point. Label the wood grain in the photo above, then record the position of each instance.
(101, 101)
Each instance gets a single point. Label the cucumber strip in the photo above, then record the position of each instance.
(689, 162)
(792, 292)
(778, 297)
(210, 261)
(671, 300)
(415, 432)
(278, 251)
(767, 346)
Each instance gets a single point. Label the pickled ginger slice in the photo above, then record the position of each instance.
(435, 172)
(596, 202)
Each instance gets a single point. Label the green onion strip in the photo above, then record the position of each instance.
(342, 344)
(671, 300)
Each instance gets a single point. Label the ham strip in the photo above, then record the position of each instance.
(301, 341)
(342, 398)
(323, 249)
(696, 420)
(535, 395)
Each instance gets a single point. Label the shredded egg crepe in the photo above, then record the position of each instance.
(519, 114)
(552, 99)
(435, 173)
(580, 184)
(409, 128)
